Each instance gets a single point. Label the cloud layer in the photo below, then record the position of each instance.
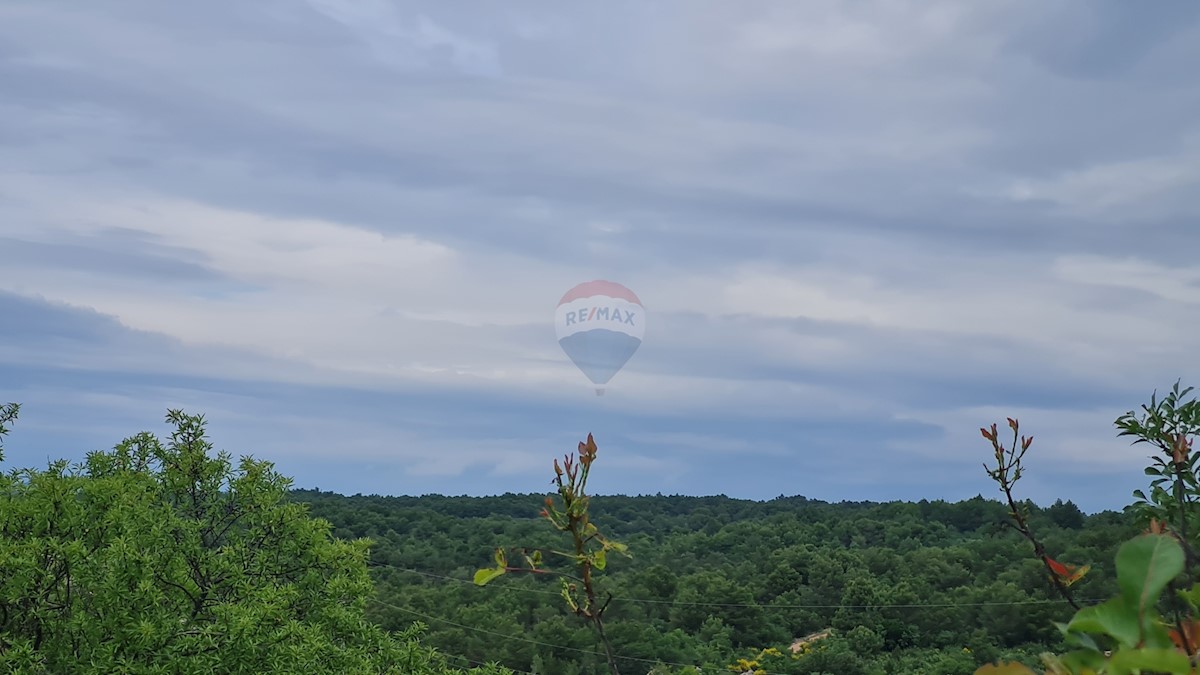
(861, 231)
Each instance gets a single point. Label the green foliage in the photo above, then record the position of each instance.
(1169, 425)
(715, 579)
(8, 415)
(1130, 633)
(1137, 635)
(159, 558)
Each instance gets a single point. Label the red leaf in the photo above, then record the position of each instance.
(1057, 567)
(1181, 449)
(1191, 630)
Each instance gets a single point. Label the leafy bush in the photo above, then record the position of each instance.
(1140, 630)
(157, 558)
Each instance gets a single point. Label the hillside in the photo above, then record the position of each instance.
(930, 587)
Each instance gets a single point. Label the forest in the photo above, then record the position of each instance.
(163, 556)
(927, 587)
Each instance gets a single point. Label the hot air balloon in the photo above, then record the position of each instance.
(600, 325)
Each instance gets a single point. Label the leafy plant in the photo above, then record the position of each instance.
(1129, 633)
(8, 415)
(158, 557)
(589, 552)
(1126, 634)
(1170, 425)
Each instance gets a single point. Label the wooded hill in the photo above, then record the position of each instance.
(926, 587)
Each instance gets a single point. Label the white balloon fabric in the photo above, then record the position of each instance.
(600, 324)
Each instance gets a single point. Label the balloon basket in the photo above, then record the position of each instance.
(599, 391)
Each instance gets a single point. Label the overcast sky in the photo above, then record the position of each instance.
(861, 230)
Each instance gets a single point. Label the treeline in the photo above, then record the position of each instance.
(925, 587)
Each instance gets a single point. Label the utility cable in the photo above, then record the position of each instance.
(731, 605)
(528, 640)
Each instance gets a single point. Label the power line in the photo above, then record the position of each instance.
(473, 662)
(528, 640)
(685, 604)
(732, 605)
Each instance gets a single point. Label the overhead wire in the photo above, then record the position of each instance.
(473, 663)
(527, 640)
(597, 654)
(734, 605)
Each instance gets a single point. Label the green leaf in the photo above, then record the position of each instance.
(618, 547)
(1145, 565)
(1117, 618)
(1154, 632)
(599, 559)
(501, 561)
(1192, 596)
(485, 575)
(1077, 639)
(1083, 658)
(1157, 660)
(569, 596)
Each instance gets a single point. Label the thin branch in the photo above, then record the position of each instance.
(1007, 473)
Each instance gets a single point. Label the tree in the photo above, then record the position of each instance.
(157, 557)
(1065, 514)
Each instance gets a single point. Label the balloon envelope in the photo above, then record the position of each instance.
(600, 325)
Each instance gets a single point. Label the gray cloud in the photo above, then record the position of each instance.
(845, 219)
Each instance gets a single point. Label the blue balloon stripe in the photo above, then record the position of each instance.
(600, 353)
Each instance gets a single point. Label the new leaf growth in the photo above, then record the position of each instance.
(589, 548)
(1006, 474)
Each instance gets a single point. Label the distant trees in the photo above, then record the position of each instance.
(928, 582)
(159, 558)
(1065, 514)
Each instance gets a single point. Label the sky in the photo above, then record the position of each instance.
(860, 229)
